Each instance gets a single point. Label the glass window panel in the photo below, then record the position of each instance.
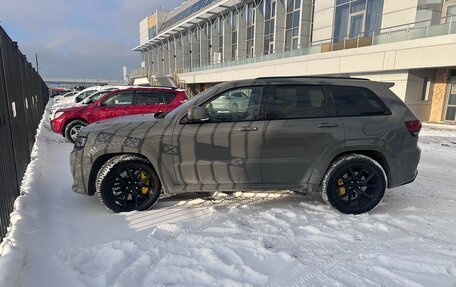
(373, 17)
(273, 9)
(451, 114)
(294, 43)
(297, 4)
(341, 1)
(452, 99)
(296, 19)
(356, 101)
(119, 99)
(356, 25)
(357, 6)
(266, 28)
(296, 31)
(288, 39)
(297, 102)
(290, 5)
(236, 105)
(341, 22)
(289, 21)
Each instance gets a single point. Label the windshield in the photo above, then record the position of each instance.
(95, 97)
(185, 106)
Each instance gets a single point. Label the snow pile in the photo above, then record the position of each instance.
(59, 238)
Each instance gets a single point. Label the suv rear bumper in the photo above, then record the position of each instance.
(403, 168)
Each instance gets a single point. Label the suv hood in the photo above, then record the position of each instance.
(120, 123)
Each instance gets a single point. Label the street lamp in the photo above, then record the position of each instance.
(36, 60)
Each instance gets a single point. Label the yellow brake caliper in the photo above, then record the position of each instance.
(143, 177)
(340, 183)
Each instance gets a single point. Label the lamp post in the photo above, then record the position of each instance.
(36, 60)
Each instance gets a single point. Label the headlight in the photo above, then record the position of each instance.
(80, 142)
(57, 114)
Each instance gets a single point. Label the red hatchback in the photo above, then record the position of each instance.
(130, 101)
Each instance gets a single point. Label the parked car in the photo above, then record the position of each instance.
(115, 103)
(66, 95)
(53, 92)
(231, 102)
(348, 138)
(73, 100)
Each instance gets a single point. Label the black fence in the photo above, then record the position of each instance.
(23, 96)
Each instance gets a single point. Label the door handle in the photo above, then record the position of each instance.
(247, 129)
(328, 125)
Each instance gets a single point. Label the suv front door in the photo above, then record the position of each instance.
(116, 105)
(225, 150)
(301, 126)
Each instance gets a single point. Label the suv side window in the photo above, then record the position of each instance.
(297, 102)
(119, 99)
(148, 98)
(357, 101)
(243, 106)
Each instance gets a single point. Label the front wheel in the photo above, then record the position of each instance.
(73, 128)
(354, 184)
(128, 182)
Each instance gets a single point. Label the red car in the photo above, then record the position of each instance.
(123, 102)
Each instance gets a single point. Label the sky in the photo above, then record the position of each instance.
(79, 39)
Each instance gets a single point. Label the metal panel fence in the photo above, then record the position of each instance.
(23, 96)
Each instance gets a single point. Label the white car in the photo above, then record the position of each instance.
(236, 101)
(70, 101)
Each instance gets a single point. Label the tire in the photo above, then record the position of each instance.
(354, 184)
(120, 185)
(72, 129)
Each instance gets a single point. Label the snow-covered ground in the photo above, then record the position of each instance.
(59, 238)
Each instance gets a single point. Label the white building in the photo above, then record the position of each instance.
(409, 42)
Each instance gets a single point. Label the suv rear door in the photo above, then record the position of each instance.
(301, 126)
(152, 101)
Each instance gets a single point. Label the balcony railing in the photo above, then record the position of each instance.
(417, 30)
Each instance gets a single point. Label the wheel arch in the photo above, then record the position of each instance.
(372, 153)
(100, 161)
(67, 122)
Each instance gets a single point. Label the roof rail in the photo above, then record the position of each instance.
(313, 77)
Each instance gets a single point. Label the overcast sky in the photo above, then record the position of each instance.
(79, 39)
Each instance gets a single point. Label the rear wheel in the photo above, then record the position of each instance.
(127, 183)
(73, 128)
(354, 184)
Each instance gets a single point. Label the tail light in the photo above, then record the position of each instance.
(414, 127)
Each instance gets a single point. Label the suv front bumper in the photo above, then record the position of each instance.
(80, 171)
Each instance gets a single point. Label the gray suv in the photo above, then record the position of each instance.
(347, 138)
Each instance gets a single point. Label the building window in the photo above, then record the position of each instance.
(355, 18)
(218, 56)
(208, 33)
(269, 25)
(292, 25)
(152, 32)
(450, 114)
(426, 91)
(449, 11)
(234, 20)
(250, 18)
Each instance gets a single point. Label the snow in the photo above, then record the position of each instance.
(59, 238)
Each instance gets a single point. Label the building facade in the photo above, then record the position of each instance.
(409, 42)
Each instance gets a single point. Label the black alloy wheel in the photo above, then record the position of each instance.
(130, 185)
(356, 185)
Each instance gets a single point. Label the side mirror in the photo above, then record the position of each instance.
(197, 115)
(87, 101)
